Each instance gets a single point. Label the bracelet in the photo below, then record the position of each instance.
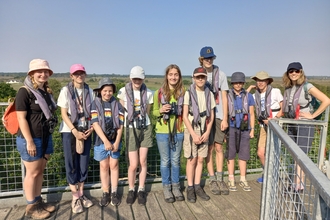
(72, 129)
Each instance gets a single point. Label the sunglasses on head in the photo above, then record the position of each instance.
(294, 71)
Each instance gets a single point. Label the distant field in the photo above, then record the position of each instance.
(155, 83)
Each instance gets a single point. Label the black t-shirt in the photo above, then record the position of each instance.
(35, 117)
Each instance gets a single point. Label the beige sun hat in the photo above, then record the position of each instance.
(39, 64)
(262, 75)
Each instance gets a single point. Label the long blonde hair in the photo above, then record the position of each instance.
(287, 81)
(178, 88)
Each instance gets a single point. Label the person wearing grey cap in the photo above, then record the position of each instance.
(268, 105)
(297, 105)
(217, 83)
(107, 118)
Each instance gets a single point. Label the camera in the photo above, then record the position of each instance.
(82, 126)
(290, 113)
(244, 123)
(174, 109)
(140, 122)
(51, 123)
(262, 117)
(111, 134)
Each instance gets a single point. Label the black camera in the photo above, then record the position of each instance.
(244, 122)
(111, 134)
(290, 113)
(174, 109)
(262, 117)
(140, 122)
(51, 123)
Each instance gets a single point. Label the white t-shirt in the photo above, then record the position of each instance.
(122, 96)
(275, 96)
(201, 104)
(63, 102)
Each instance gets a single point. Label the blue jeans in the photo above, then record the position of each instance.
(169, 157)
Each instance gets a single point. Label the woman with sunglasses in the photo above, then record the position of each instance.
(296, 105)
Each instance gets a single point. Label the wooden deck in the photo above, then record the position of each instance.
(236, 205)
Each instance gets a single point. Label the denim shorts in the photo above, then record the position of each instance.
(21, 147)
(101, 154)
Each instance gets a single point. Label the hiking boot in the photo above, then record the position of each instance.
(214, 188)
(168, 194)
(260, 180)
(176, 190)
(85, 201)
(142, 197)
(114, 199)
(232, 185)
(245, 186)
(46, 206)
(130, 197)
(105, 200)
(201, 193)
(77, 206)
(223, 188)
(35, 211)
(191, 196)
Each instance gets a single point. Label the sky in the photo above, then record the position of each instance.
(109, 36)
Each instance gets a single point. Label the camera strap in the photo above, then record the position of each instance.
(173, 132)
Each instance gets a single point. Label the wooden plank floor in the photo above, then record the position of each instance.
(236, 205)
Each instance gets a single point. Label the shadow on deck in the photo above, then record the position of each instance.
(236, 205)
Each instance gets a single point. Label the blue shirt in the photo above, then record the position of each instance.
(238, 104)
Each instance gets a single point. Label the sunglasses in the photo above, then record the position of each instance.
(200, 77)
(78, 74)
(294, 71)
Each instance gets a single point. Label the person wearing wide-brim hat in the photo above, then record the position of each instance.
(34, 139)
(107, 118)
(268, 105)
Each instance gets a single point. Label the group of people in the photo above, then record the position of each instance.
(198, 120)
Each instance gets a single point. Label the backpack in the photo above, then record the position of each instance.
(9, 118)
(315, 104)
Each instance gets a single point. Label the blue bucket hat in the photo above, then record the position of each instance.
(207, 52)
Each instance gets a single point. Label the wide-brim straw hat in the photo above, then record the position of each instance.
(262, 75)
(39, 64)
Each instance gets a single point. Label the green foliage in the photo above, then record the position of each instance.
(6, 92)
(56, 86)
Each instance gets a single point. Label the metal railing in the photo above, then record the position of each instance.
(12, 169)
(294, 185)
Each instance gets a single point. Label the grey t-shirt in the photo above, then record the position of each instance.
(223, 86)
(302, 101)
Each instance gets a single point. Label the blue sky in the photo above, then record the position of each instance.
(113, 36)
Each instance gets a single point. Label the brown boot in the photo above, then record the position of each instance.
(46, 206)
(35, 211)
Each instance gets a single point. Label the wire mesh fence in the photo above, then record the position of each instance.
(295, 187)
(12, 169)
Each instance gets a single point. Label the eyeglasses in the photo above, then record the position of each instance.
(78, 74)
(294, 71)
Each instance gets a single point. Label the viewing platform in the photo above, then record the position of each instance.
(236, 205)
